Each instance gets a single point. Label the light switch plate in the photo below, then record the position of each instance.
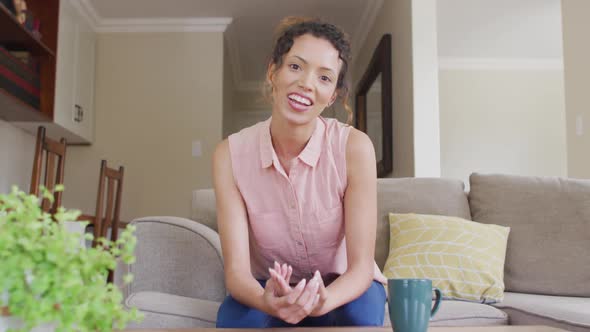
(579, 125)
(197, 149)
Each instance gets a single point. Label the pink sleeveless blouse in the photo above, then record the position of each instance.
(298, 218)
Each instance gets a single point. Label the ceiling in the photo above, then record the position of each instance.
(466, 28)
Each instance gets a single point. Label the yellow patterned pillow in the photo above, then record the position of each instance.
(464, 259)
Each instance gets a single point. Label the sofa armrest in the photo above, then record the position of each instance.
(200, 312)
(177, 256)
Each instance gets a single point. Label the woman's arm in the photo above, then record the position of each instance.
(360, 215)
(232, 222)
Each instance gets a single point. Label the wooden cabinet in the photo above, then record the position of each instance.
(68, 110)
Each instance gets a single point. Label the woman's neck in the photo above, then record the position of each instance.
(288, 140)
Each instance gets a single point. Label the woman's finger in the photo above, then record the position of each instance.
(270, 286)
(308, 293)
(282, 284)
(289, 273)
(308, 308)
(316, 301)
(306, 299)
(322, 289)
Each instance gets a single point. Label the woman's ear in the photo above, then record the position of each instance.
(270, 70)
(333, 99)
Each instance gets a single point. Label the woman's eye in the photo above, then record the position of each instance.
(294, 66)
(325, 78)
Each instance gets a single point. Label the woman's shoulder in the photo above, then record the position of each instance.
(345, 137)
(358, 140)
(246, 138)
(336, 132)
(334, 125)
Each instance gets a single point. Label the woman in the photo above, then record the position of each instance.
(300, 190)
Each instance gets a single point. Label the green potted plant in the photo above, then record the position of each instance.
(49, 279)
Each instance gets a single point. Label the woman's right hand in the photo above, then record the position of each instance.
(294, 306)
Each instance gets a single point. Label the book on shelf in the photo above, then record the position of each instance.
(19, 68)
(18, 79)
(23, 56)
(25, 59)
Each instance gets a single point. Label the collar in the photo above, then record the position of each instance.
(310, 154)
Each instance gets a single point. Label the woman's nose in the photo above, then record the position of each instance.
(305, 82)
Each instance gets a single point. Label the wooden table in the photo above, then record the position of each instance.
(519, 328)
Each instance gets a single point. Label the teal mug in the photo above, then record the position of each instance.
(410, 304)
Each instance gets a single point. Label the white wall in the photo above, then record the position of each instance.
(228, 92)
(17, 149)
(501, 88)
(155, 94)
(577, 82)
(426, 104)
(502, 121)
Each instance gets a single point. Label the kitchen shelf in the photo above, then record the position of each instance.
(15, 36)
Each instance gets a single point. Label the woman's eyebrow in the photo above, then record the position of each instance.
(305, 62)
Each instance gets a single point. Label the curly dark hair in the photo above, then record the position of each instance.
(292, 27)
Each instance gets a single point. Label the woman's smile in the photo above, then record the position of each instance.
(299, 102)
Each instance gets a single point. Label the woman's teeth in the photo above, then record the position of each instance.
(300, 99)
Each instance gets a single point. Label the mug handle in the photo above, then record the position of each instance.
(437, 302)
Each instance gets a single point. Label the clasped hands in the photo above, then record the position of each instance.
(293, 304)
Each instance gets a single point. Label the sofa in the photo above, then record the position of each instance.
(179, 281)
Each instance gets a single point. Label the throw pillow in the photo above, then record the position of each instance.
(464, 259)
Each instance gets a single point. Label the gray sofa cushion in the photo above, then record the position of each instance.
(459, 313)
(569, 313)
(162, 310)
(416, 195)
(549, 239)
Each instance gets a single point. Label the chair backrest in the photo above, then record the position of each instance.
(55, 159)
(107, 213)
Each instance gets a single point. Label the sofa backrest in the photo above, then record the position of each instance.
(437, 196)
(203, 208)
(401, 195)
(549, 219)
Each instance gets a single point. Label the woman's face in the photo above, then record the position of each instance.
(305, 84)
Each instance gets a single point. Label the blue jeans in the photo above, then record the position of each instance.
(367, 310)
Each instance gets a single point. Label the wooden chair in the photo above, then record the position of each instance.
(110, 178)
(55, 159)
